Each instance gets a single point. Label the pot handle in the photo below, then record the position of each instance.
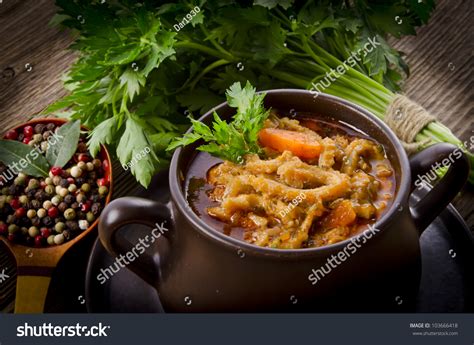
(133, 210)
(426, 162)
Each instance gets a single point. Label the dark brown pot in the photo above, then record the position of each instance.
(201, 269)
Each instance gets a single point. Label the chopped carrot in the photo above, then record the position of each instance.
(342, 215)
(300, 144)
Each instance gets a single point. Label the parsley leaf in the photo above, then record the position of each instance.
(231, 141)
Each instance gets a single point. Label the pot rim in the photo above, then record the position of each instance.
(401, 197)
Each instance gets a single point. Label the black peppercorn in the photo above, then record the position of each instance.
(35, 221)
(72, 225)
(69, 199)
(21, 136)
(47, 221)
(81, 147)
(95, 209)
(75, 205)
(35, 204)
(63, 206)
(31, 193)
(64, 183)
(80, 181)
(39, 128)
(50, 126)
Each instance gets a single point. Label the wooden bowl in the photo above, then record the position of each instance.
(36, 265)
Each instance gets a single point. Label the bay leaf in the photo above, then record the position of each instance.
(16, 155)
(65, 144)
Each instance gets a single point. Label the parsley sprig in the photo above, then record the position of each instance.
(231, 141)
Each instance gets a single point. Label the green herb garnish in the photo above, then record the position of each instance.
(231, 141)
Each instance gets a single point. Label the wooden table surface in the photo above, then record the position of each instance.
(34, 56)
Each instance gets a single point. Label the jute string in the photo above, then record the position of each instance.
(407, 118)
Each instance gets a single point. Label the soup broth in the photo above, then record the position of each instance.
(295, 196)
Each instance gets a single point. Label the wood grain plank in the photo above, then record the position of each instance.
(441, 64)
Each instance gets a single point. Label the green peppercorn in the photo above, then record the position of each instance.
(49, 189)
(44, 146)
(90, 217)
(41, 213)
(56, 180)
(103, 190)
(86, 187)
(33, 184)
(23, 199)
(19, 181)
(56, 200)
(76, 171)
(59, 227)
(69, 214)
(51, 240)
(47, 204)
(48, 180)
(33, 231)
(5, 191)
(31, 214)
(9, 198)
(72, 188)
(63, 192)
(37, 137)
(89, 166)
(59, 239)
(12, 228)
(81, 197)
(82, 165)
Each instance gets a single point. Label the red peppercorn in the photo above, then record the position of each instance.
(11, 237)
(71, 180)
(26, 140)
(85, 207)
(39, 241)
(53, 212)
(20, 212)
(56, 171)
(15, 203)
(45, 232)
(11, 135)
(28, 131)
(83, 157)
(3, 229)
(102, 182)
(43, 184)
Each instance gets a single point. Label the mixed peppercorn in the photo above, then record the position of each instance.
(51, 211)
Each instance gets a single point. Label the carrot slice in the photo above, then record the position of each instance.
(342, 215)
(300, 144)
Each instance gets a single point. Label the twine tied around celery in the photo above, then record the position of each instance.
(407, 118)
